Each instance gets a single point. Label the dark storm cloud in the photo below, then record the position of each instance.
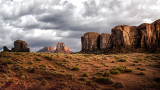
(47, 22)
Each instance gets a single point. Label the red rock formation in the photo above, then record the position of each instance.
(47, 49)
(90, 41)
(19, 46)
(104, 40)
(5, 49)
(62, 49)
(124, 38)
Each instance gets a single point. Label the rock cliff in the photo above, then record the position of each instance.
(90, 41)
(124, 38)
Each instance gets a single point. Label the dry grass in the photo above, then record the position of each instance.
(73, 71)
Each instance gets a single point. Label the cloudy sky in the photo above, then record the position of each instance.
(46, 22)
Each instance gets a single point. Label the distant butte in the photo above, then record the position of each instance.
(19, 46)
(47, 49)
(59, 49)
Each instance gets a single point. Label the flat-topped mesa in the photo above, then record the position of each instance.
(62, 49)
(124, 38)
(47, 49)
(19, 46)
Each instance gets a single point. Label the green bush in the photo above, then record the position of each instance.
(75, 69)
(116, 72)
(37, 59)
(106, 74)
(85, 75)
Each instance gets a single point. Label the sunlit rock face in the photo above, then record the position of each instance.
(124, 38)
(62, 49)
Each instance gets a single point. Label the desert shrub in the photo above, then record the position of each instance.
(48, 58)
(37, 59)
(18, 53)
(21, 75)
(106, 74)
(116, 72)
(121, 60)
(90, 83)
(104, 80)
(43, 65)
(70, 76)
(118, 85)
(99, 73)
(30, 62)
(16, 68)
(141, 73)
(6, 62)
(75, 69)
(31, 70)
(64, 60)
(113, 62)
(120, 68)
(141, 69)
(59, 63)
(3, 69)
(154, 57)
(39, 77)
(133, 64)
(116, 57)
(82, 79)
(137, 60)
(128, 70)
(85, 74)
(105, 58)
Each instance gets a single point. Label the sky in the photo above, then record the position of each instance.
(46, 22)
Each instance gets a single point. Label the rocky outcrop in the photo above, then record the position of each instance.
(5, 48)
(47, 49)
(124, 38)
(104, 40)
(90, 41)
(62, 49)
(19, 46)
